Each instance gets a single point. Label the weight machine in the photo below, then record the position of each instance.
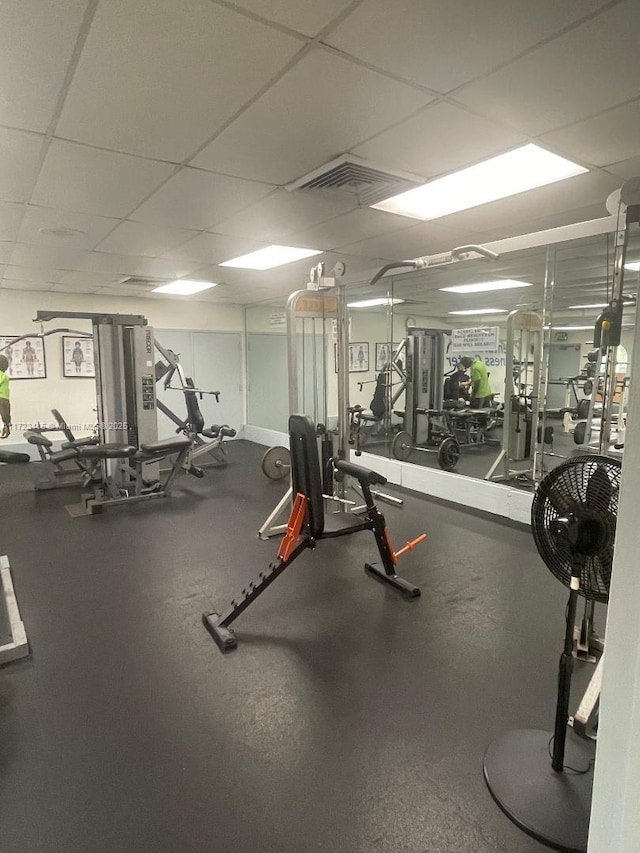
(521, 406)
(314, 316)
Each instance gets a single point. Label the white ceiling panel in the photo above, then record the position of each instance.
(52, 257)
(566, 80)
(215, 248)
(349, 228)
(105, 262)
(91, 279)
(6, 248)
(31, 274)
(158, 78)
(426, 238)
(606, 138)
(39, 219)
(555, 220)
(626, 168)
(10, 284)
(591, 188)
(305, 16)
(138, 238)
(10, 216)
(439, 139)
(74, 288)
(197, 199)
(444, 43)
(322, 107)
(87, 180)
(20, 155)
(285, 212)
(37, 38)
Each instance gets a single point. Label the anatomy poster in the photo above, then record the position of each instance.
(25, 356)
(77, 358)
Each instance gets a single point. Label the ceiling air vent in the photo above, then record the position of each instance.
(349, 175)
(141, 281)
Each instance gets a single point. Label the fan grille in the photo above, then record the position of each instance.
(586, 488)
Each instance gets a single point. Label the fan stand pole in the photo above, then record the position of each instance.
(565, 672)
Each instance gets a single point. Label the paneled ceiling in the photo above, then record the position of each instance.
(156, 139)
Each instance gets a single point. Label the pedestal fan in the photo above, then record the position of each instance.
(539, 779)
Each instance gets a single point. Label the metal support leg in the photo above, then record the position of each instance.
(267, 530)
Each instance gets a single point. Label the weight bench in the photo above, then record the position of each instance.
(57, 474)
(308, 524)
(131, 484)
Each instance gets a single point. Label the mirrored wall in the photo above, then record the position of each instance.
(497, 355)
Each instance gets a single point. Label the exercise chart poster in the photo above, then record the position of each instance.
(26, 357)
(77, 358)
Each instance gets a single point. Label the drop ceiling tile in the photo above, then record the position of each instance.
(9, 284)
(10, 216)
(591, 188)
(349, 228)
(322, 107)
(38, 218)
(305, 16)
(87, 180)
(215, 248)
(157, 79)
(20, 155)
(18, 273)
(198, 200)
(572, 77)
(556, 220)
(89, 279)
(606, 138)
(54, 257)
(441, 43)
(6, 248)
(439, 139)
(138, 238)
(37, 38)
(427, 238)
(105, 262)
(284, 212)
(626, 168)
(74, 288)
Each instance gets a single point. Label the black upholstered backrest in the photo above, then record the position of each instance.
(195, 418)
(62, 424)
(305, 469)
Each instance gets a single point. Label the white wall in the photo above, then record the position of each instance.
(33, 399)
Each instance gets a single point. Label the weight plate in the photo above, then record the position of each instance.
(448, 454)
(583, 409)
(276, 463)
(587, 388)
(401, 446)
(580, 433)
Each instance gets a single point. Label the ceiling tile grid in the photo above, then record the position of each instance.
(445, 43)
(572, 77)
(305, 16)
(158, 78)
(322, 107)
(41, 225)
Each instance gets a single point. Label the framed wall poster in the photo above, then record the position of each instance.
(26, 357)
(359, 357)
(77, 358)
(384, 353)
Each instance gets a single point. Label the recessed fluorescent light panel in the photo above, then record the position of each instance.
(594, 305)
(185, 287)
(270, 257)
(482, 286)
(471, 311)
(635, 266)
(372, 303)
(517, 171)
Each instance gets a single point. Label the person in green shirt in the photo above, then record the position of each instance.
(480, 388)
(5, 405)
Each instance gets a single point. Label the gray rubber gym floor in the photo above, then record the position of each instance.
(349, 719)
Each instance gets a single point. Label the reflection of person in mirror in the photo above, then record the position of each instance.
(360, 359)
(77, 356)
(29, 357)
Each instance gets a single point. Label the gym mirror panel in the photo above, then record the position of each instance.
(266, 360)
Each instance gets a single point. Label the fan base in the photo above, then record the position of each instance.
(552, 807)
